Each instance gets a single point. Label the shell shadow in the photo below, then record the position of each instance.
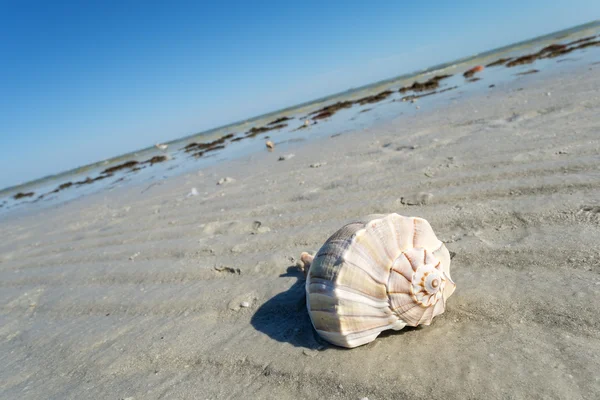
(284, 317)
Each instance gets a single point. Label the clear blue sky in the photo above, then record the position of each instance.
(83, 81)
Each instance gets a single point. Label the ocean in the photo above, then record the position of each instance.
(352, 110)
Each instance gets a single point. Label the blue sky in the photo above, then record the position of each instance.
(84, 81)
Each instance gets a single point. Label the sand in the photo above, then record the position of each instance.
(136, 293)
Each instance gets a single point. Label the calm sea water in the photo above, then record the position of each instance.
(349, 119)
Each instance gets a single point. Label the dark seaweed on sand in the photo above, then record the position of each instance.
(279, 120)
(375, 98)
(531, 71)
(156, 160)
(128, 164)
(553, 50)
(329, 110)
(430, 84)
(21, 195)
(500, 61)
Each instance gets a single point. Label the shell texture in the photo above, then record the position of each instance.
(385, 272)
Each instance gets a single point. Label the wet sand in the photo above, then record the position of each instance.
(137, 292)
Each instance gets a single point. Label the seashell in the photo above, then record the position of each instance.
(270, 145)
(384, 272)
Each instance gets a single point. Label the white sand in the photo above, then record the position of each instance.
(515, 177)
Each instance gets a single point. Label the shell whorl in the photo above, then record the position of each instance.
(385, 272)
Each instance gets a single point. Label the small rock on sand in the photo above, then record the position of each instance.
(418, 200)
(310, 353)
(193, 192)
(224, 181)
(285, 157)
(318, 164)
(244, 304)
(228, 269)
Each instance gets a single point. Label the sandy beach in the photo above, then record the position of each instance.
(137, 292)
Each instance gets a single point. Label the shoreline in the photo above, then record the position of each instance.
(77, 182)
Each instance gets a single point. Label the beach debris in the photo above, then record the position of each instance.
(244, 304)
(193, 192)
(134, 256)
(201, 148)
(500, 61)
(156, 160)
(21, 195)
(528, 72)
(270, 145)
(257, 131)
(318, 164)
(329, 110)
(375, 98)
(413, 292)
(279, 120)
(226, 180)
(431, 84)
(403, 147)
(470, 72)
(285, 157)
(548, 94)
(230, 270)
(553, 50)
(125, 165)
(161, 146)
(421, 199)
(310, 353)
(305, 125)
(258, 228)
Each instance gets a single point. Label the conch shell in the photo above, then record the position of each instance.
(385, 272)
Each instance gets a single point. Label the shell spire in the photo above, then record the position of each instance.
(385, 272)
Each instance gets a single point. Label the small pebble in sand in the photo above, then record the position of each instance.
(193, 192)
(307, 122)
(317, 165)
(418, 108)
(228, 269)
(134, 256)
(270, 145)
(310, 353)
(285, 157)
(224, 181)
(548, 94)
(422, 198)
(244, 304)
